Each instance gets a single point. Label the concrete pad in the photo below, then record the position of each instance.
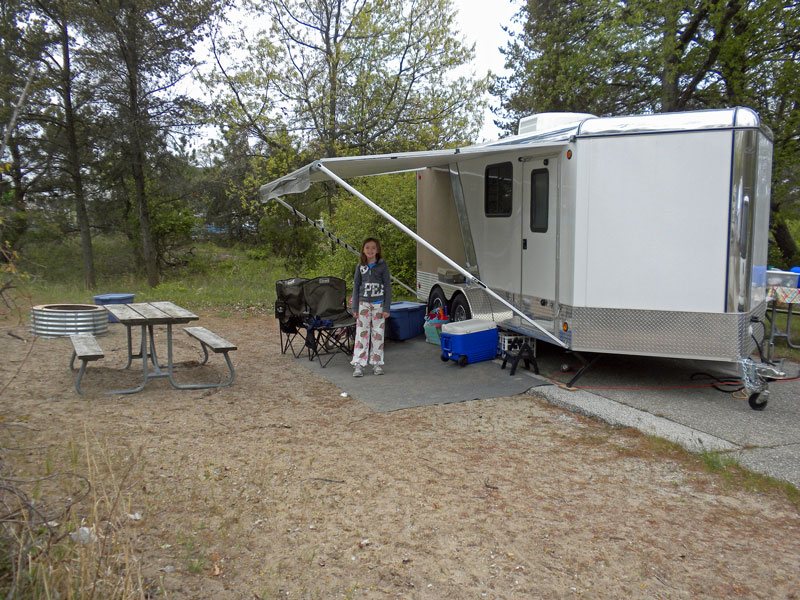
(415, 376)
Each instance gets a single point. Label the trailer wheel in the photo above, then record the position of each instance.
(436, 300)
(462, 361)
(460, 310)
(755, 404)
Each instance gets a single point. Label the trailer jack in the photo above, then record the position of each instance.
(756, 377)
(587, 364)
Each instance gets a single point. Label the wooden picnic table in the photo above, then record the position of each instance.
(145, 315)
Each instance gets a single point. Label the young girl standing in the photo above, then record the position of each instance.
(372, 299)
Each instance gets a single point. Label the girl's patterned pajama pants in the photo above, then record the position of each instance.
(370, 329)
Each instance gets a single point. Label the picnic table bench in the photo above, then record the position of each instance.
(86, 348)
(208, 339)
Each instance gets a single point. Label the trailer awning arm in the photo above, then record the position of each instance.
(318, 166)
(335, 238)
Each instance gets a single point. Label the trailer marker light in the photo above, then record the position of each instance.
(569, 154)
(564, 326)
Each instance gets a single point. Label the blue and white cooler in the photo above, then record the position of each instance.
(469, 341)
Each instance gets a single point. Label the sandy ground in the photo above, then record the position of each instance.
(279, 487)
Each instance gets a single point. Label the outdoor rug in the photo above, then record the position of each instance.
(416, 376)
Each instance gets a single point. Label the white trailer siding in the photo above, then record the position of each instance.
(497, 239)
(651, 221)
(567, 216)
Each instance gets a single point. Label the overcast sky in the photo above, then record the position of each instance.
(481, 22)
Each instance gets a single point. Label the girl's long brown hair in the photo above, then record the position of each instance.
(363, 257)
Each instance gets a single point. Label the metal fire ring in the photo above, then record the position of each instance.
(56, 320)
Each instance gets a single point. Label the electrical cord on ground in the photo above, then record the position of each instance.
(763, 339)
(731, 385)
(719, 383)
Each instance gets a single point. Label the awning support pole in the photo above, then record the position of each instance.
(318, 166)
(334, 238)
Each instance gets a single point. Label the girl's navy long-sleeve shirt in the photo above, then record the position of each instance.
(372, 284)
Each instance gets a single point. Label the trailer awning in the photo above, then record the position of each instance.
(384, 164)
(584, 126)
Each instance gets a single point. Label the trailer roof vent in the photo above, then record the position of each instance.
(550, 120)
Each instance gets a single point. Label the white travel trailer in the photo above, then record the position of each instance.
(624, 235)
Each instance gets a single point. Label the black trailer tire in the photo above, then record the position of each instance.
(460, 310)
(755, 404)
(436, 300)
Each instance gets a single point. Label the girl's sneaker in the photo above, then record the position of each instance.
(377, 370)
(358, 372)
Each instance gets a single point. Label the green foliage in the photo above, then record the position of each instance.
(171, 225)
(58, 260)
(354, 221)
(359, 77)
(208, 276)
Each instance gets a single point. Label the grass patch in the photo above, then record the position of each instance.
(735, 475)
(782, 350)
(229, 279)
(721, 465)
(208, 276)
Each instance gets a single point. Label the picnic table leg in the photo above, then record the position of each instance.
(789, 327)
(145, 374)
(81, 371)
(130, 347)
(205, 354)
(151, 354)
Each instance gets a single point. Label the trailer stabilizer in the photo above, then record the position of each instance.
(756, 377)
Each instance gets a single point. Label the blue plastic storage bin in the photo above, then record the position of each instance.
(406, 320)
(103, 299)
(469, 341)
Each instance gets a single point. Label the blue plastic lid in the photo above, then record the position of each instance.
(114, 297)
(406, 305)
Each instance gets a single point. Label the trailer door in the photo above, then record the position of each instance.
(539, 227)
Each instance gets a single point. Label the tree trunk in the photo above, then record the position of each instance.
(670, 60)
(137, 154)
(17, 224)
(87, 253)
(148, 247)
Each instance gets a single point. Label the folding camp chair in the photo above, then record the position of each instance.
(331, 328)
(292, 313)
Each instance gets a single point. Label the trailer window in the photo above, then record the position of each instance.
(540, 202)
(498, 191)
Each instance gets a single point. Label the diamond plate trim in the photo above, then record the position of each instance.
(707, 336)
